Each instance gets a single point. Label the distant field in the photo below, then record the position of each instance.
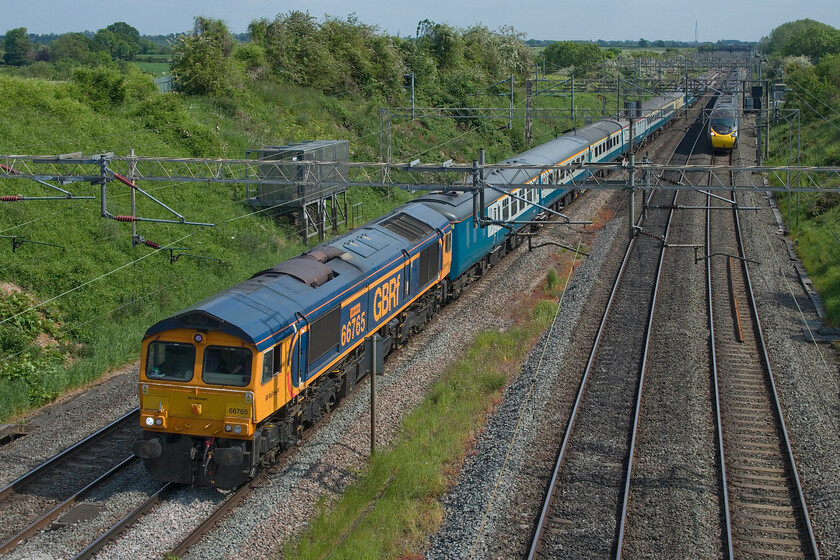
(156, 68)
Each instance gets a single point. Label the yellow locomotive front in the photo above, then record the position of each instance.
(197, 407)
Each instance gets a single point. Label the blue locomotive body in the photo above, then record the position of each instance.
(298, 328)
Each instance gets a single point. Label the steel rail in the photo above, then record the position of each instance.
(538, 533)
(794, 471)
(127, 521)
(626, 500)
(195, 535)
(576, 408)
(638, 404)
(809, 544)
(8, 490)
(48, 517)
(715, 378)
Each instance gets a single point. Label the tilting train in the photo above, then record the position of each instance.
(723, 123)
(230, 382)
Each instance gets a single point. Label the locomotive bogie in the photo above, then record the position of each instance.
(228, 383)
(284, 347)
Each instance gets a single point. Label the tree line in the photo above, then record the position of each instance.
(806, 54)
(118, 41)
(338, 55)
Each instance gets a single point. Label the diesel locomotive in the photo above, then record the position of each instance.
(228, 383)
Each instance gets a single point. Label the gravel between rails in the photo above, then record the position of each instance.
(486, 498)
(807, 374)
(69, 420)
(325, 465)
(674, 487)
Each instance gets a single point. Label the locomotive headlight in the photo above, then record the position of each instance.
(237, 429)
(198, 337)
(158, 421)
(150, 421)
(228, 428)
(713, 133)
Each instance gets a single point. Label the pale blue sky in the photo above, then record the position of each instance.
(746, 20)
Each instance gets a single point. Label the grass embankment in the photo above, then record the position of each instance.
(813, 219)
(394, 505)
(97, 295)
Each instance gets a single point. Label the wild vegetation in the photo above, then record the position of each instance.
(805, 55)
(406, 481)
(70, 313)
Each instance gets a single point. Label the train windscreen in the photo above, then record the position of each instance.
(170, 361)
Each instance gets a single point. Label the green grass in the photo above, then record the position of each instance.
(102, 323)
(813, 219)
(394, 505)
(156, 68)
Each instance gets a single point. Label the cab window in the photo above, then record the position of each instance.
(268, 365)
(272, 362)
(170, 361)
(225, 365)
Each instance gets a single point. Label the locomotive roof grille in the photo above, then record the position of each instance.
(407, 226)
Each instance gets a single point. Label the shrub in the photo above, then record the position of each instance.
(101, 86)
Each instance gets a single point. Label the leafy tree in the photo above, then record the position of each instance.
(257, 30)
(296, 52)
(584, 57)
(147, 47)
(828, 70)
(202, 62)
(807, 88)
(125, 32)
(111, 43)
(70, 45)
(780, 36)
(814, 42)
(120, 40)
(444, 43)
(17, 47)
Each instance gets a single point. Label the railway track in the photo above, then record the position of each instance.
(586, 505)
(765, 511)
(36, 499)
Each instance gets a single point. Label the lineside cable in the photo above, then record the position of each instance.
(525, 403)
(801, 314)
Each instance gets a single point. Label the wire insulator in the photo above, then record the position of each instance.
(126, 218)
(10, 198)
(124, 180)
(8, 169)
(151, 244)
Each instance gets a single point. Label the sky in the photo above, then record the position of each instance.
(746, 20)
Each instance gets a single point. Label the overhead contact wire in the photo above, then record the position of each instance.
(80, 286)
